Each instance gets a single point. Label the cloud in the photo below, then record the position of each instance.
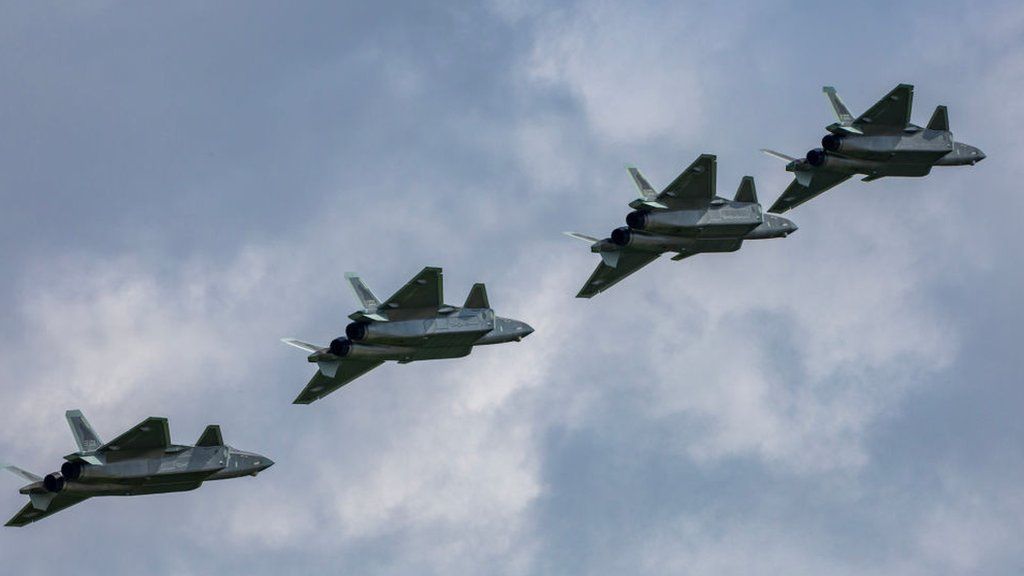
(633, 72)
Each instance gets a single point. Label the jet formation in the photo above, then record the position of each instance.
(413, 324)
(880, 142)
(140, 461)
(686, 218)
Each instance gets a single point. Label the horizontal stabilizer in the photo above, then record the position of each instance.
(746, 192)
(477, 297)
(583, 237)
(211, 437)
(23, 474)
(779, 155)
(300, 344)
(940, 119)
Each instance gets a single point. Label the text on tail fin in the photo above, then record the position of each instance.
(85, 436)
(842, 112)
(366, 298)
(641, 183)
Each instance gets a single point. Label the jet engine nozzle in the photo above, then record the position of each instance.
(621, 236)
(340, 347)
(54, 482)
(636, 219)
(356, 331)
(71, 470)
(832, 142)
(816, 157)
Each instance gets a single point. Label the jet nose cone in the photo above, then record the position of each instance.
(981, 156)
(523, 330)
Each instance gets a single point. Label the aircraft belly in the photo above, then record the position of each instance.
(727, 230)
(916, 156)
(162, 488)
(441, 352)
(917, 169)
(136, 486)
(725, 245)
(451, 339)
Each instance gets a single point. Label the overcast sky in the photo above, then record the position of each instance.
(182, 184)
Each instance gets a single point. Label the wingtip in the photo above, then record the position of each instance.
(827, 89)
(351, 275)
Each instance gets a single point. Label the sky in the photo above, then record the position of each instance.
(182, 184)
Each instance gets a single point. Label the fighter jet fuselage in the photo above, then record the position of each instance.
(174, 469)
(429, 335)
(881, 142)
(413, 324)
(910, 152)
(686, 218)
(140, 461)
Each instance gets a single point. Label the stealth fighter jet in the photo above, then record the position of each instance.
(414, 324)
(140, 461)
(686, 218)
(880, 142)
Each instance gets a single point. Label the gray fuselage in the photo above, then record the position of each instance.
(720, 227)
(428, 334)
(174, 469)
(908, 152)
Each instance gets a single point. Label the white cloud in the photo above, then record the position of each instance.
(635, 73)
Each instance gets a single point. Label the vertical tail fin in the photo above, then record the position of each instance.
(641, 183)
(746, 192)
(477, 297)
(940, 119)
(85, 436)
(211, 436)
(842, 112)
(363, 294)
